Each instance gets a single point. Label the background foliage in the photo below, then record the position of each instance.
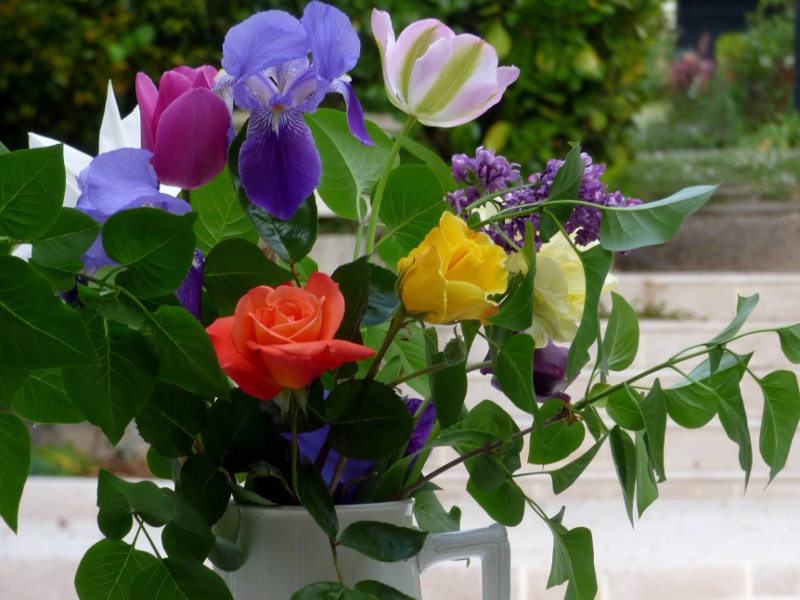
(580, 61)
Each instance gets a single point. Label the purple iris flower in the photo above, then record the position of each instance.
(124, 179)
(267, 72)
(549, 372)
(355, 471)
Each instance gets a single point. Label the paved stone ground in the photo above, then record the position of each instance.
(728, 236)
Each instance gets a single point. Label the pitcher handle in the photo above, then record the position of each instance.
(489, 544)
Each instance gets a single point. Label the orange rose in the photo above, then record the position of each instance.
(283, 337)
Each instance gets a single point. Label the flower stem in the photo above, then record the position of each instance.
(397, 324)
(378, 198)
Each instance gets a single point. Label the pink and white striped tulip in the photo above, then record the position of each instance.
(440, 78)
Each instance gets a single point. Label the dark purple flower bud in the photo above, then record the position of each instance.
(190, 291)
(549, 372)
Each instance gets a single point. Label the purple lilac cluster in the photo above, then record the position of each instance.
(488, 173)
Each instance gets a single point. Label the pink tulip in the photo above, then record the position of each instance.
(441, 78)
(185, 125)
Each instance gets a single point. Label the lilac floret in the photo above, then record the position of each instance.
(488, 173)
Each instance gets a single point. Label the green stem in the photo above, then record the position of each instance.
(378, 198)
(336, 561)
(147, 535)
(337, 473)
(293, 458)
(397, 324)
(478, 366)
(426, 371)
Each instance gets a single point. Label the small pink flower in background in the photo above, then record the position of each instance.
(441, 78)
(185, 125)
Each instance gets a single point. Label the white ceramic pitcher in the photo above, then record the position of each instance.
(285, 550)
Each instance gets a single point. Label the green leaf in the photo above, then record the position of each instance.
(431, 515)
(178, 580)
(354, 283)
(119, 500)
(393, 479)
(405, 355)
(171, 419)
(780, 418)
(61, 279)
(219, 214)
(32, 186)
(573, 562)
(329, 590)
(621, 340)
(505, 504)
(111, 394)
(516, 313)
(561, 438)
(624, 408)
(382, 300)
(646, 488)
(314, 496)
(187, 535)
(623, 452)
(160, 466)
(440, 169)
(566, 186)
(155, 246)
(4, 149)
(108, 568)
(42, 399)
(233, 268)
(226, 555)
(15, 460)
(733, 417)
(11, 380)
(564, 477)
(654, 413)
(448, 385)
(744, 306)
(383, 541)
(113, 305)
(235, 432)
(349, 168)
(596, 264)
(413, 203)
(652, 223)
(380, 590)
(205, 487)
(368, 420)
(790, 342)
(186, 356)
(293, 239)
(32, 317)
(514, 372)
(71, 235)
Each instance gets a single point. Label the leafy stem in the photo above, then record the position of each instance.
(378, 197)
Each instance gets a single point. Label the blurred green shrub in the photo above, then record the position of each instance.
(581, 63)
(758, 64)
(58, 55)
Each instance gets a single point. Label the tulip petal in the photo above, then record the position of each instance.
(250, 377)
(197, 119)
(75, 162)
(279, 169)
(332, 305)
(335, 46)
(453, 81)
(264, 40)
(147, 97)
(413, 43)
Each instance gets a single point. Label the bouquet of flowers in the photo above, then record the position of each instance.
(167, 283)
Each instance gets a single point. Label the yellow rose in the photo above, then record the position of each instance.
(559, 292)
(449, 275)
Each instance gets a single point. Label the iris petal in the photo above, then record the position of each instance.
(280, 167)
(355, 116)
(335, 46)
(264, 40)
(116, 178)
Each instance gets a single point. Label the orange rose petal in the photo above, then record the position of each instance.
(332, 303)
(243, 325)
(250, 377)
